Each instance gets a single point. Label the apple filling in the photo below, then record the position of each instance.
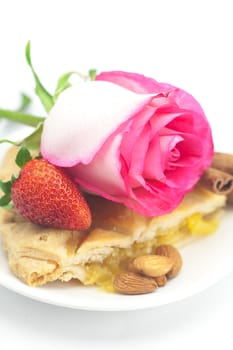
(103, 274)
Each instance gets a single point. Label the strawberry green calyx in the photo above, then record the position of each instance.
(5, 200)
(23, 156)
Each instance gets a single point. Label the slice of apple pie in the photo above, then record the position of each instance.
(38, 255)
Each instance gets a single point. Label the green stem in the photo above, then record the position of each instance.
(21, 117)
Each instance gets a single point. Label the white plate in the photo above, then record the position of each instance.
(206, 261)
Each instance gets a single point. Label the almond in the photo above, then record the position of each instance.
(131, 283)
(161, 280)
(153, 265)
(171, 252)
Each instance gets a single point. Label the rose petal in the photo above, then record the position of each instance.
(135, 82)
(138, 156)
(167, 144)
(75, 131)
(134, 133)
(103, 171)
(155, 202)
(141, 84)
(153, 168)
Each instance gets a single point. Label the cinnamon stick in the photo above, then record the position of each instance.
(223, 162)
(217, 181)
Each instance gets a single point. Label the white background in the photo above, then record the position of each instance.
(186, 43)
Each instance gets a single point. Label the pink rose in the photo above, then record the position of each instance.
(130, 139)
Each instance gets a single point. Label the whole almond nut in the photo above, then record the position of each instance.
(161, 280)
(131, 283)
(152, 265)
(172, 253)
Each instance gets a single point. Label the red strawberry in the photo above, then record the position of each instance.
(46, 195)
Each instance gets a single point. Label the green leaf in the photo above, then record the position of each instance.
(45, 97)
(92, 74)
(5, 186)
(9, 141)
(22, 157)
(63, 83)
(33, 140)
(5, 200)
(25, 102)
(21, 117)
